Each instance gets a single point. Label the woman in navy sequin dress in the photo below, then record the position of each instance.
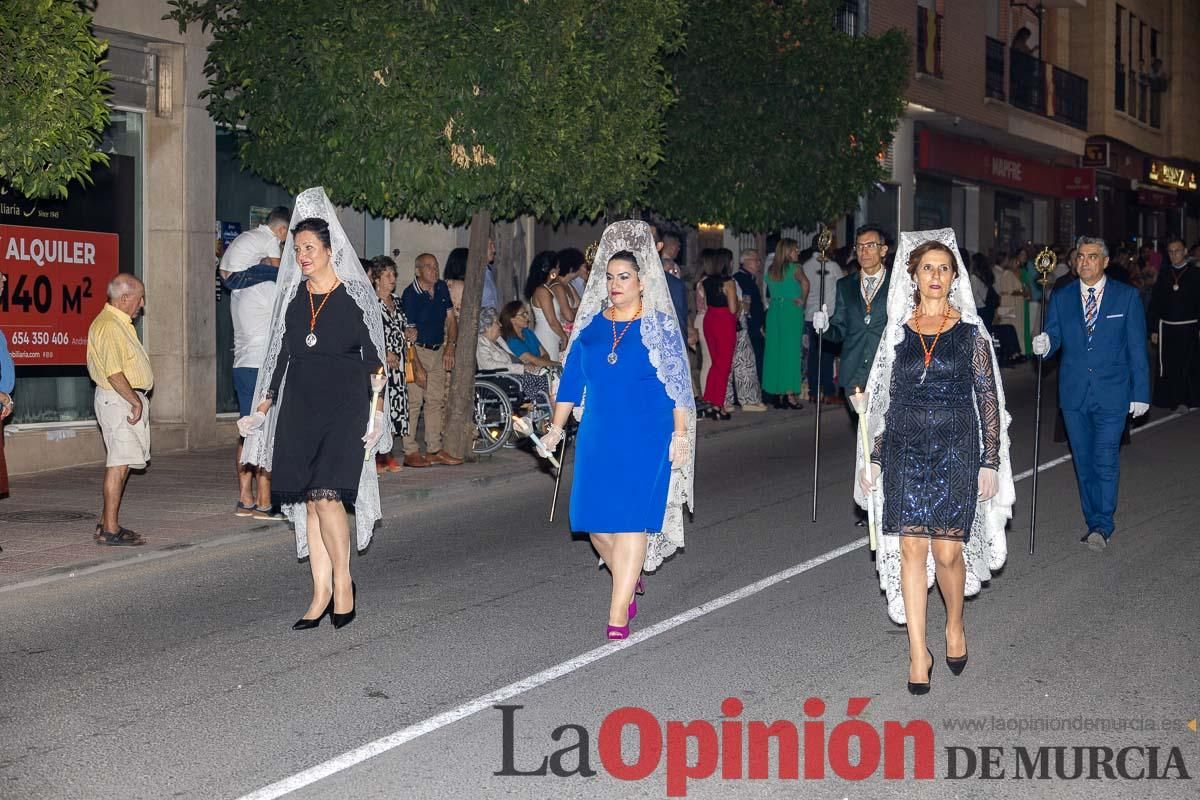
(939, 452)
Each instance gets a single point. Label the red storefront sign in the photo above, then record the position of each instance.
(1078, 182)
(965, 159)
(57, 281)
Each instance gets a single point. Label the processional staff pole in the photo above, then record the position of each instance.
(1044, 264)
(824, 240)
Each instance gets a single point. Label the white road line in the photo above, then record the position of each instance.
(404, 735)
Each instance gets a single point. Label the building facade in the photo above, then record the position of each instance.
(1034, 122)
(995, 122)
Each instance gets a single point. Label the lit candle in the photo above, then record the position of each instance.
(859, 400)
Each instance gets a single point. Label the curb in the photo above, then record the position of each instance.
(402, 495)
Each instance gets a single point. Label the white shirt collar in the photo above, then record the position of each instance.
(1098, 286)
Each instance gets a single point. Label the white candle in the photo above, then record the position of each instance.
(859, 400)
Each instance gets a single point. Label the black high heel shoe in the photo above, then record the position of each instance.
(918, 688)
(306, 624)
(342, 620)
(957, 663)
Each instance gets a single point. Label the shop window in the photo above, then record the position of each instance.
(243, 202)
(53, 386)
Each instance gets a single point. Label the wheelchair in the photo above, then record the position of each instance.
(498, 396)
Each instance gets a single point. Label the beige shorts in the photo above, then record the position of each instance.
(128, 444)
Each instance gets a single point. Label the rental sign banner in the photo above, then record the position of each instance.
(57, 282)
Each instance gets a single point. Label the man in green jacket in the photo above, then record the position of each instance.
(860, 315)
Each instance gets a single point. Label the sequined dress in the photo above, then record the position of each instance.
(940, 431)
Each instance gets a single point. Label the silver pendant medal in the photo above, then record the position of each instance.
(612, 357)
(311, 340)
(867, 319)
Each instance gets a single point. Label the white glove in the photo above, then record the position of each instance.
(1137, 409)
(550, 440)
(1041, 344)
(868, 477)
(820, 321)
(248, 425)
(680, 450)
(988, 483)
(374, 430)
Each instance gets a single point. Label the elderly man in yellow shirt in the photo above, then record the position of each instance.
(118, 364)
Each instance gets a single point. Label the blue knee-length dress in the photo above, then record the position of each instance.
(622, 468)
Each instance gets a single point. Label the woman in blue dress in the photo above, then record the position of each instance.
(626, 365)
(939, 474)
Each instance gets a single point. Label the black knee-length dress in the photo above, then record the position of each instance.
(943, 425)
(323, 408)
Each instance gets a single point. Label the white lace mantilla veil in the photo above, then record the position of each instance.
(668, 353)
(259, 447)
(987, 547)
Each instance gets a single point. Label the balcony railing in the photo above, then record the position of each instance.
(929, 42)
(1042, 88)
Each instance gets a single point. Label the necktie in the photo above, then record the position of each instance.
(1089, 311)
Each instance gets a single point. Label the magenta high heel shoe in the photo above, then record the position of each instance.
(632, 608)
(618, 632)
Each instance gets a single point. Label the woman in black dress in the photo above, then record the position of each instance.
(326, 348)
(940, 447)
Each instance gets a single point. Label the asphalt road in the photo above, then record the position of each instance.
(182, 678)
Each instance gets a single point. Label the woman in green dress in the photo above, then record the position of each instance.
(783, 360)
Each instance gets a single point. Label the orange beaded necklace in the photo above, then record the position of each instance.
(929, 350)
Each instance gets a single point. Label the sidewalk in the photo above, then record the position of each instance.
(186, 500)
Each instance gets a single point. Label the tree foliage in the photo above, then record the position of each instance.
(434, 110)
(780, 118)
(52, 96)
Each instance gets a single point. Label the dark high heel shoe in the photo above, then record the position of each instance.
(306, 624)
(723, 415)
(957, 663)
(641, 587)
(342, 620)
(923, 688)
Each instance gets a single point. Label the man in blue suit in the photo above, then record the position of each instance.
(1104, 375)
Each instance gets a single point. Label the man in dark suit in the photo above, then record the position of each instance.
(859, 316)
(860, 311)
(1104, 376)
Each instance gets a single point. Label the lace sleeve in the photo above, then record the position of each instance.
(285, 356)
(986, 401)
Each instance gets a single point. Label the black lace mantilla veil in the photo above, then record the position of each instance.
(259, 447)
(986, 549)
(668, 354)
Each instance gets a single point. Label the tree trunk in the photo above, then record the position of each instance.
(510, 260)
(461, 409)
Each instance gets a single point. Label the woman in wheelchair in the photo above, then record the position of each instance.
(492, 355)
(515, 326)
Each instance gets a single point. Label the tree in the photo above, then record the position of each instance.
(52, 96)
(446, 110)
(780, 117)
